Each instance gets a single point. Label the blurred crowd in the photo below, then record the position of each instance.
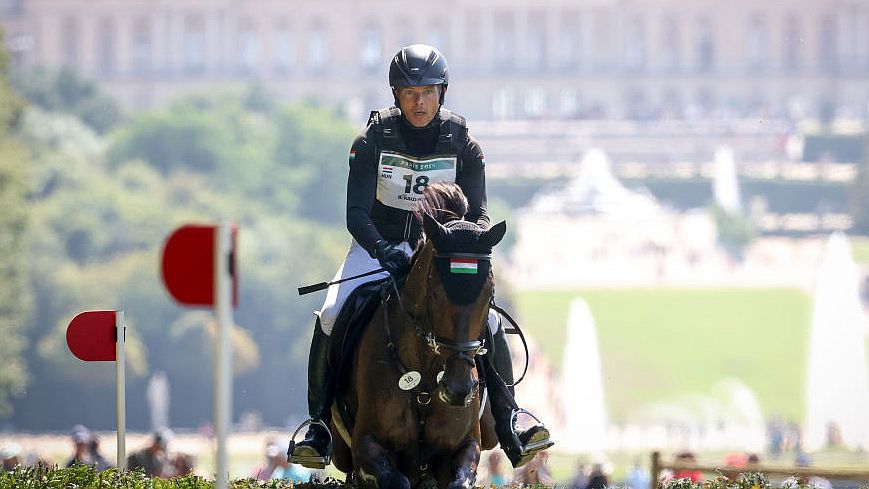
(156, 458)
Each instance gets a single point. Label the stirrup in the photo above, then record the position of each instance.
(311, 459)
(538, 441)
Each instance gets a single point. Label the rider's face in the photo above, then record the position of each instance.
(419, 104)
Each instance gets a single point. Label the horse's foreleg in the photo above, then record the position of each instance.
(373, 464)
(464, 466)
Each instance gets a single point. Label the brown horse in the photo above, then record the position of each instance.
(413, 392)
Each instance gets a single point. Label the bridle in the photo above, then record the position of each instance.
(464, 350)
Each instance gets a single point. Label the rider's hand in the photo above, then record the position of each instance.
(395, 261)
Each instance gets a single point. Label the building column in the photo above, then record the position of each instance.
(88, 45)
(213, 52)
(124, 41)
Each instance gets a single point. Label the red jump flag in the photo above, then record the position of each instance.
(91, 336)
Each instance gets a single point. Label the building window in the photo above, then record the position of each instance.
(403, 34)
(505, 39)
(437, 36)
(318, 49)
(828, 45)
(705, 46)
(568, 103)
(12, 7)
(249, 47)
(283, 49)
(793, 43)
(194, 44)
(108, 62)
(671, 58)
(637, 44)
(535, 102)
(372, 49)
(756, 42)
(569, 37)
(502, 104)
(140, 54)
(69, 39)
(537, 45)
(473, 36)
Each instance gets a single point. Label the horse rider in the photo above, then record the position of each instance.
(404, 148)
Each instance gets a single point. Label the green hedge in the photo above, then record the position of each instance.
(85, 476)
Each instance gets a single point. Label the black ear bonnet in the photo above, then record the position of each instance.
(462, 278)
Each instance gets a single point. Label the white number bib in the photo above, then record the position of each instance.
(401, 179)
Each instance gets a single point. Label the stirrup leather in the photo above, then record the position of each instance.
(309, 457)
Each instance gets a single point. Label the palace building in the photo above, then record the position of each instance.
(509, 59)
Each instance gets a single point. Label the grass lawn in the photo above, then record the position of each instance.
(662, 344)
(860, 249)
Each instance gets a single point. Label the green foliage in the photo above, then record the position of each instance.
(735, 231)
(100, 208)
(308, 162)
(85, 476)
(66, 92)
(14, 295)
(664, 344)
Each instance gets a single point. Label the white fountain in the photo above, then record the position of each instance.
(582, 399)
(158, 401)
(837, 384)
(725, 185)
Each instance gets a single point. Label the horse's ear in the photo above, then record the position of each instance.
(433, 229)
(494, 234)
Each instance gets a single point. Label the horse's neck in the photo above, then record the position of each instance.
(413, 294)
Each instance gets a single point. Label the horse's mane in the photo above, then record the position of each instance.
(444, 201)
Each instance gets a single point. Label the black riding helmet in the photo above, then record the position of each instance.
(419, 65)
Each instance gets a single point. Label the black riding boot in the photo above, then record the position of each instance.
(520, 446)
(315, 451)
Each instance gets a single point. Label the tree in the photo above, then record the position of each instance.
(65, 91)
(13, 226)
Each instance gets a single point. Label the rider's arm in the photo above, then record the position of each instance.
(472, 180)
(361, 188)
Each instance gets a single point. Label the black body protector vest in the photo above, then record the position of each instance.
(402, 177)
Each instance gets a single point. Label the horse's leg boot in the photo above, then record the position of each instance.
(521, 445)
(315, 451)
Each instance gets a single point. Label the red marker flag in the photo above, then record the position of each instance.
(91, 336)
(188, 265)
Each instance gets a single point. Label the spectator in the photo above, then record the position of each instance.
(81, 440)
(152, 459)
(687, 457)
(97, 458)
(496, 472)
(534, 472)
(597, 479)
(273, 457)
(290, 472)
(11, 455)
(580, 478)
(638, 476)
(182, 464)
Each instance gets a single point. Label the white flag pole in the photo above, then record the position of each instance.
(120, 383)
(223, 352)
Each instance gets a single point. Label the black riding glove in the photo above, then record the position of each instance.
(392, 259)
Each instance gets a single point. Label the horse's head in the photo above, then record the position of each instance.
(458, 289)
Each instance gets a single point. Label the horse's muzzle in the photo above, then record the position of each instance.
(458, 399)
